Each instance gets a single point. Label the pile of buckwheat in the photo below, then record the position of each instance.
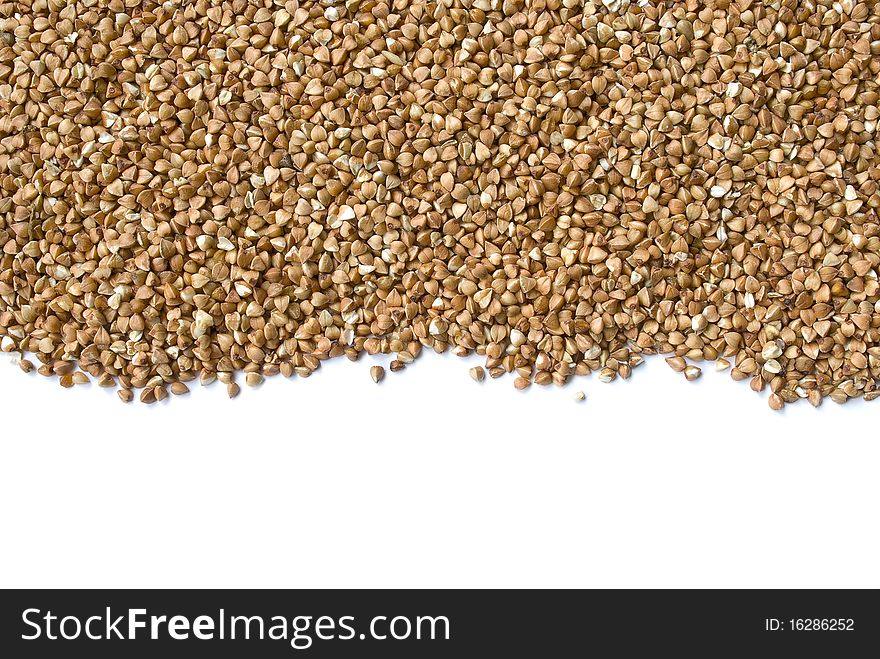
(191, 189)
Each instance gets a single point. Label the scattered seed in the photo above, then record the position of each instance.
(771, 351)
(190, 190)
(692, 372)
(772, 366)
(579, 396)
(477, 374)
(233, 389)
(125, 395)
(607, 375)
(254, 379)
(678, 364)
(775, 402)
(522, 383)
(377, 373)
(26, 365)
(179, 388)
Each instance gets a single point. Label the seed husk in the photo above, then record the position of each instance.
(579, 396)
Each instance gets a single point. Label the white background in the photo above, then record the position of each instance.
(432, 480)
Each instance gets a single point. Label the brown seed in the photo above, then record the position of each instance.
(477, 374)
(562, 191)
(125, 395)
(233, 389)
(678, 364)
(377, 373)
(254, 379)
(26, 365)
(775, 402)
(179, 388)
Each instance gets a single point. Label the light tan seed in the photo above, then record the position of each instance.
(692, 372)
(678, 364)
(179, 388)
(607, 375)
(522, 383)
